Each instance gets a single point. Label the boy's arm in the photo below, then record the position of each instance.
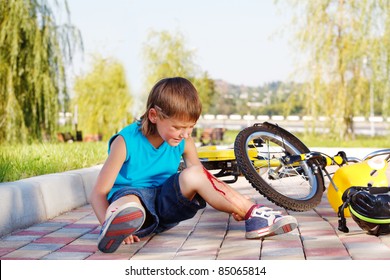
(106, 178)
(190, 154)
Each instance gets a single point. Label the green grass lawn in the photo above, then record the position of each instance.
(23, 161)
(323, 141)
(359, 142)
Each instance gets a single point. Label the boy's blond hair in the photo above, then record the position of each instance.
(172, 98)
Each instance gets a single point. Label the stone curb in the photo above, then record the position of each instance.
(37, 199)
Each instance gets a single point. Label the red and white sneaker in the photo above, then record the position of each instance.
(122, 222)
(262, 221)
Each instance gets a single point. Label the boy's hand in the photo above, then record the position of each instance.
(237, 217)
(131, 239)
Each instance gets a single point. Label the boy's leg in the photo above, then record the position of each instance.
(123, 217)
(217, 193)
(172, 206)
(121, 201)
(260, 221)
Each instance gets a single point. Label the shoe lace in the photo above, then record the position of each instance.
(258, 212)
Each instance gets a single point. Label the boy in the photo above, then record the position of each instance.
(139, 191)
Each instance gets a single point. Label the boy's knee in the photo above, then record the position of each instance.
(192, 175)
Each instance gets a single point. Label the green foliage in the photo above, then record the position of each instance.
(347, 47)
(33, 53)
(206, 89)
(166, 55)
(103, 98)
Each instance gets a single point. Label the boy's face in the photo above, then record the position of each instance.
(173, 131)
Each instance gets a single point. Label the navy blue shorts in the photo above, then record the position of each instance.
(165, 205)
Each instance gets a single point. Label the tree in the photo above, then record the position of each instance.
(103, 98)
(33, 54)
(166, 55)
(348, 58)
(206, 89)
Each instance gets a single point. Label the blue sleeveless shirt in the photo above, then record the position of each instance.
(145, 166)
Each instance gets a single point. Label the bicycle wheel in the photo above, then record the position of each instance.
(258, 150)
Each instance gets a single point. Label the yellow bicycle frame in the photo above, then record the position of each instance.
(348, 175)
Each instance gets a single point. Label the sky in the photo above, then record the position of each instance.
(238, 41)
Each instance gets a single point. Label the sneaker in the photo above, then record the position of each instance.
(122, 222)
(262, 221)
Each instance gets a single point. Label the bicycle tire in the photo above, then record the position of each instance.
(297, 188)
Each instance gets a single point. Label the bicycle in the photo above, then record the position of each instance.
(283, 169)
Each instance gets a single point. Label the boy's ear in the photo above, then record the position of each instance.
(152, 115)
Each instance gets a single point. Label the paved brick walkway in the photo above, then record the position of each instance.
(209, 235)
